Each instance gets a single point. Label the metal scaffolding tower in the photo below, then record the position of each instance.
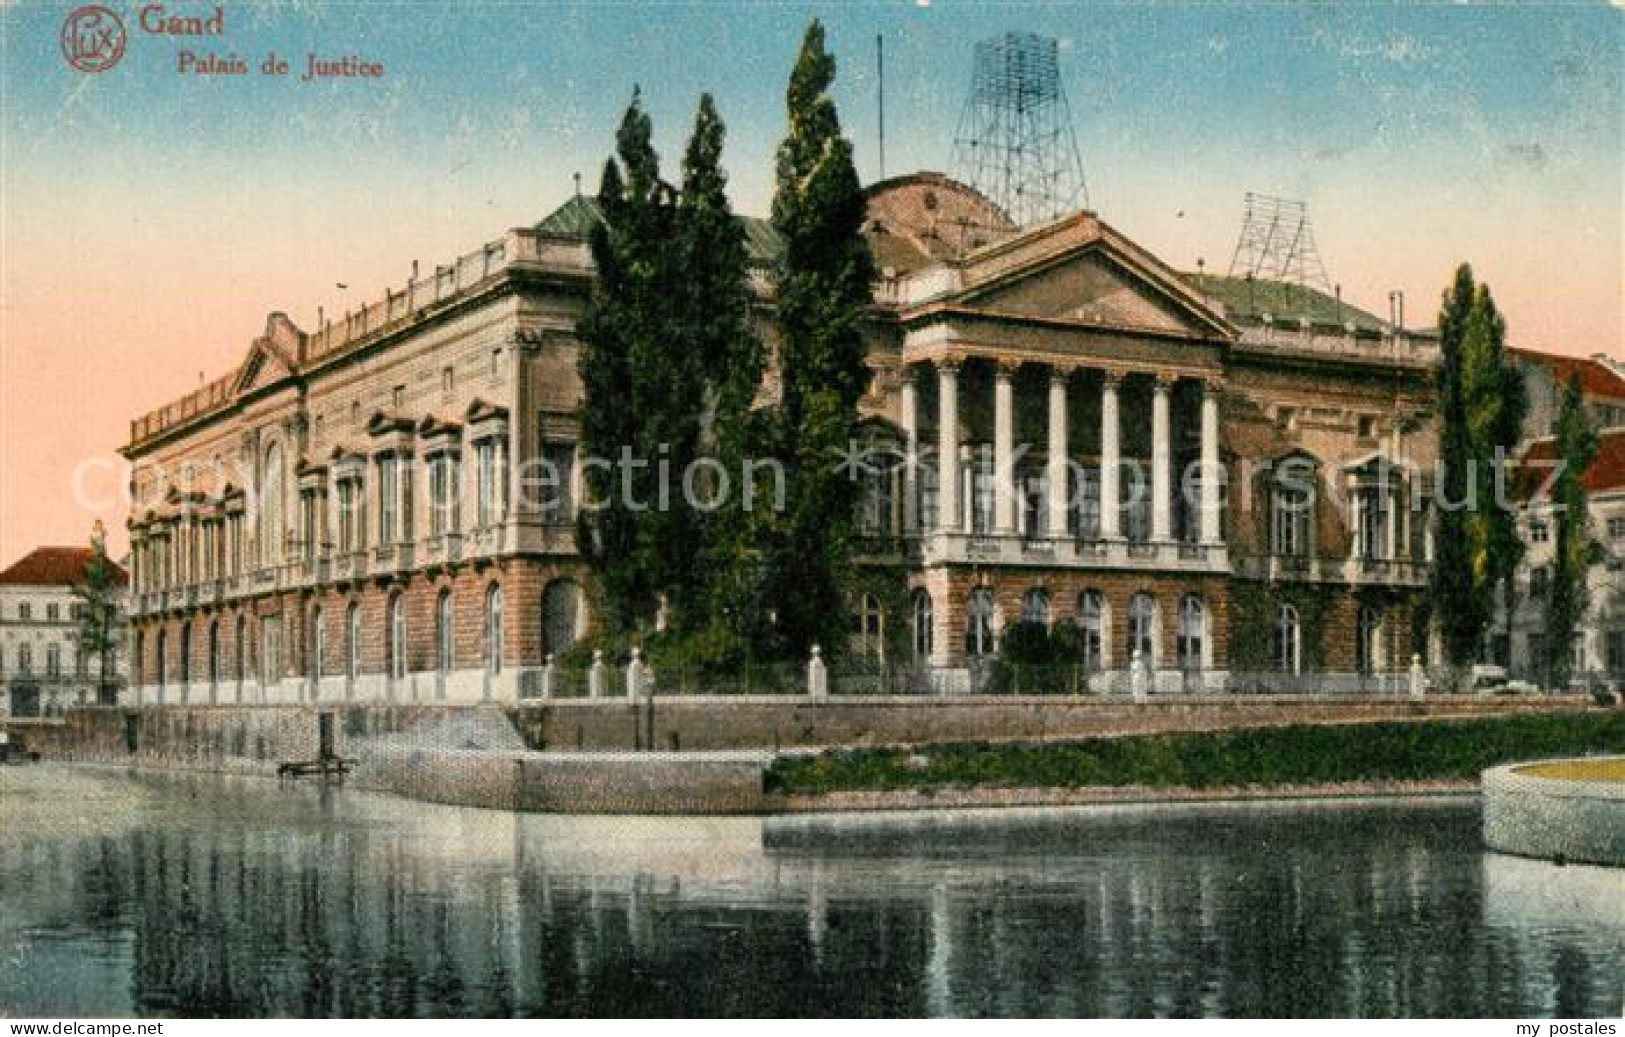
(1016, 143)
(1277, 243)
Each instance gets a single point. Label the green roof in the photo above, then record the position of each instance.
(577, 217)
(1246, 300)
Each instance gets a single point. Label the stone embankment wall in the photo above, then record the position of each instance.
(760, 723)
(710, 755)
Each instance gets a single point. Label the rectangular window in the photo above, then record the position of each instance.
(1083, 512)
(1539, 532)
(388, 501)
(557, 488)
(25, 611)
(1616, 529)
(52, 612)
(309, 525)
(443, 494)
(448, 380)
(1289, 528)
(491, 504)
(1616, 652)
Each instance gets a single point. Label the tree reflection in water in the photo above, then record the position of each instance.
(209, 896)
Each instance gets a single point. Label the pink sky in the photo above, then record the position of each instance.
(143, 246)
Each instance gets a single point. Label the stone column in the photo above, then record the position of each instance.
(909, 413)
(1111, 496)
(1211, 471)
(1057, 468)
(948, 517)
(1004, 474)
(1161, 449)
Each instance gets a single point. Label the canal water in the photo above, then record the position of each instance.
(199, 895)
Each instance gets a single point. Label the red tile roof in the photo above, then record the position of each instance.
(1596, 379)
(55, 567)
(1606, 472)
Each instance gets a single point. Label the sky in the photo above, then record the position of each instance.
(150, 218)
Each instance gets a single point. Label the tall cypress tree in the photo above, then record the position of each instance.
(1574, 552)
(1496, 404)
(713, 311)
(622, 332)
(824, 283)
(1482, 406)
(1461, 613)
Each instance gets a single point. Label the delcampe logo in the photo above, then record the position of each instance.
(93, 39)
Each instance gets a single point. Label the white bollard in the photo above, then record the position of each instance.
(547, 677)
(1419, 680)
(595, 675)
(1138, 676)
(817, 675)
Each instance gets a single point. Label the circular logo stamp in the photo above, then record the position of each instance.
(93, 39)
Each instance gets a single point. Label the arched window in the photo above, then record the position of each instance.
(317, 643)
(869, 628)
(352, 642)
(1092, 629)
(271, 524)
(493, 629)
(979, 622)
(140, 657)
(186, 652)
(1192, 633)
(1035, 606)
(162, 657)
(1285, 650)
(214, 651)
(1367, 637)
(561, 615)
(442, 632)
(923, 630)
(1142, 629)
(395, 640)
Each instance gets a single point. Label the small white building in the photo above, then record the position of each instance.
(42, 670)
(1599, 647)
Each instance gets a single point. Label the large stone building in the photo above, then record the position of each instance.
(42, 670)
(1599, 643)
(356, 512)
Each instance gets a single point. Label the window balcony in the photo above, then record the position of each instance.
(1064, 551)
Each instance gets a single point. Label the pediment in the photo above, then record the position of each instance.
(272, 358)
(1098, 285)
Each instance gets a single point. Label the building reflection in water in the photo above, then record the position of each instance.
(234, 898)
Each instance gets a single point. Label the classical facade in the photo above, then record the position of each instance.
(1222, 481)
(42, 670)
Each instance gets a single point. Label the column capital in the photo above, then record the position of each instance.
(1006, 367)
(1060, 372)
(1161, 383)
(1111, 379)
(950, 363)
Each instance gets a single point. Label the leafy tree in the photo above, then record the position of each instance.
(622, 329)
(101, 616)
(1574, 552)
(824, 283)
(1482, 405)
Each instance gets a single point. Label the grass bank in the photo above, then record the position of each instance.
(1431, 750)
